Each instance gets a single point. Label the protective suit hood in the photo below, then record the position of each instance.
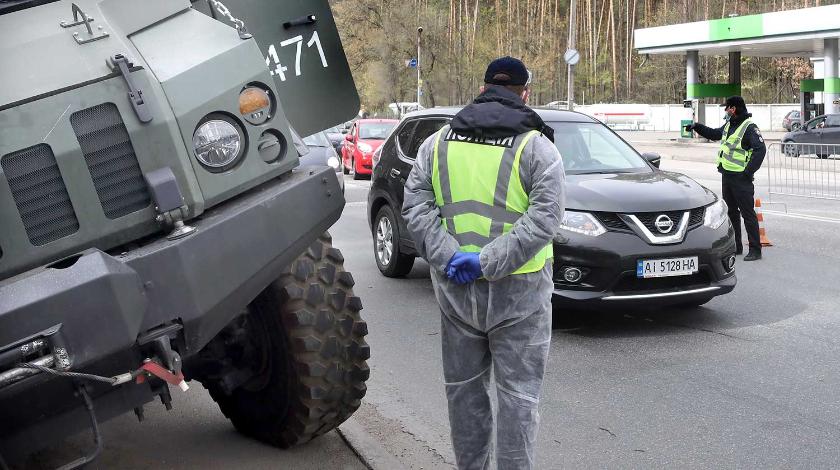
(498, 112)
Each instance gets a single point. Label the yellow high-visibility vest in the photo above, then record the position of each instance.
(478, 189)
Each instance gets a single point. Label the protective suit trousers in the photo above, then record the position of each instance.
(474, 340)
(738, 194)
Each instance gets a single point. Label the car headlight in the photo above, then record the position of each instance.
(583, 223)
(716, 214)
(218, 142)
(366, 148)
(333, 162)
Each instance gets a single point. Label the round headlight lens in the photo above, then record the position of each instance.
(366, 148)
(333, 163)
(217, 144)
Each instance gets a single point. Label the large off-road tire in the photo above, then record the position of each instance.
(313, 355)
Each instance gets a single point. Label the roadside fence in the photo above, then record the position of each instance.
(803, 170)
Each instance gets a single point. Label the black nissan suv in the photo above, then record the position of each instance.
(631, 233)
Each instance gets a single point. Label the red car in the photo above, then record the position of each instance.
(364, 137)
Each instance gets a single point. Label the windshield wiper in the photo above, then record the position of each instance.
(597, 172)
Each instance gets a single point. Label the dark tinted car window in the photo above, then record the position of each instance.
(404, 136)
(424, 128)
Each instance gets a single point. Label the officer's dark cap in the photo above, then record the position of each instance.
(734, 101)
(512, 71)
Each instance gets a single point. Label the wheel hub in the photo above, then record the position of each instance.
(384, 241)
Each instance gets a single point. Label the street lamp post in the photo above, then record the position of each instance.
(571, 63)
(419, 81)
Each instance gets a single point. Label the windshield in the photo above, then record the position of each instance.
(593, 148)
(375, 130)
(317, 140)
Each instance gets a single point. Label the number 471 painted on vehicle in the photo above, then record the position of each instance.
(281, 69)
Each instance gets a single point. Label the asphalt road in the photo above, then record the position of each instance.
(748, 381)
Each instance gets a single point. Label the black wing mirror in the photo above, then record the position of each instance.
(653, 158)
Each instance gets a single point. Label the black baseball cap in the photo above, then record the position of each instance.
(513, 68)
(734, 101)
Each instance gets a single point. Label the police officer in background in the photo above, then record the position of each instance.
(741, 153)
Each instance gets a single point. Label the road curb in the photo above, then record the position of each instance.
(371, 452)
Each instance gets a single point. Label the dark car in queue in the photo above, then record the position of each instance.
(819, 136)
(322, 153)
(336, 136)
(631, 233)
(792, 121)
(364, 137)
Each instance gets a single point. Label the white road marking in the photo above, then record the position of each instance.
(356, 203)
(803, 216)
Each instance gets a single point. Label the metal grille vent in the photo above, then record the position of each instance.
(40, 194)
(111, 160)
(697, 216)
(612, 221)
(649, 220)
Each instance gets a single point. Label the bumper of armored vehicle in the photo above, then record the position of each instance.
(106, 313)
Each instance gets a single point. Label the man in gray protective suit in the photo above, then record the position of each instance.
(483, 203)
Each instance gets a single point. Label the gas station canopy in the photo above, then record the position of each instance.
(806, 33)
(793, 33)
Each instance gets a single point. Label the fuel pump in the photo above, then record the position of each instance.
(809, 109)
(691, 113)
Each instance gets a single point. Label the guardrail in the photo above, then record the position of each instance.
(803, 170)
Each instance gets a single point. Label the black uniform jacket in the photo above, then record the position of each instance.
(752, 141)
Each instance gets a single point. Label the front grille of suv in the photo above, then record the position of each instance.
(40, 194)
(613, 221)
(110, 158)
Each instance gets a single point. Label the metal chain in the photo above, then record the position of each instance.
(224, 11)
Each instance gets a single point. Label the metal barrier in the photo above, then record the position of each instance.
(804, 170)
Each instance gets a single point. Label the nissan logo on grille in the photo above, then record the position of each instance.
(664, 224)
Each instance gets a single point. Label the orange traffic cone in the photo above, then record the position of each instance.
(761, 232)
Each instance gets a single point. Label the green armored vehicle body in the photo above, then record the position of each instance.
(154, 226)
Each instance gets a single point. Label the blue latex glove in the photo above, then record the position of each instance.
(467, 267)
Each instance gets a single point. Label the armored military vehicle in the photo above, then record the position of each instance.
(154, 228)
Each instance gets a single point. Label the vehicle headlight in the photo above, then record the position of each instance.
(256, 104)
(333, 162)
(366, 148)
(716, 214)
(583, 223)
(218, 143)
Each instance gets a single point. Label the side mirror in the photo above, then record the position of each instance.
(344, 130)
(653, 158)
(348, 138)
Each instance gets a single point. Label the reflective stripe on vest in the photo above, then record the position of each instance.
(478, 190)
(732, 157)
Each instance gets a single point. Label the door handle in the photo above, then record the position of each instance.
(395, 173)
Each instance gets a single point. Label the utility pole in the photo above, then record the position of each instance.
(571, 56)
(419, 81)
